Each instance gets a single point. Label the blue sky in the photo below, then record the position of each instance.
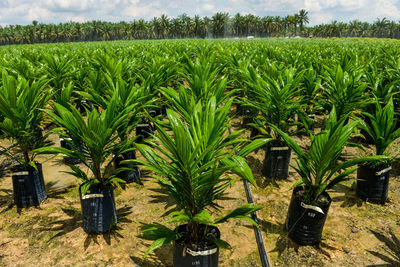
(320, 11)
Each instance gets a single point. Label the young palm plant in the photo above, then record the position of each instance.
(65, 97)
(310, 92)
(276, 101)
(21, 105)
(59, 69)
(380, 87)
(201, 82)
(344, 90)
(190, 166)
(98, 149)
(373, 179)
(319, 171)
(126, 95)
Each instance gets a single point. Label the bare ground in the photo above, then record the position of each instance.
(356, 233)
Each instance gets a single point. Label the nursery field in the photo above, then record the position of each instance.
(161, 134)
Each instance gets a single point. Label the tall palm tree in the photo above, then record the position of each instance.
(198, 27)
(380, 27)
(237, 21)
(165, 25)
(303, 19)
(219, 21)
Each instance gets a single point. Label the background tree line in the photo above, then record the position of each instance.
(220, 25)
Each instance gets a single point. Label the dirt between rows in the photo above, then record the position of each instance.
(356, 233)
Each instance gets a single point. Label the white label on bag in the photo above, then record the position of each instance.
(278, 148)
(383, 171)
(311, 207)
(92, 196)
(68, 139)
(21, 173)
(201, 253)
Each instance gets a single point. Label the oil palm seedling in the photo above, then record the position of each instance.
(373, 178)
(319, 171)
(201, 81)
(21, 105)
(59, 69)
(113, 67)
(125, 95)
(277, 101)
(380, 87)
(236, 67)
(191, 166)
(22, 67)
(98, 149)
(157, 73)
(202, 77)
(310, 92)
(65, 97)
(344, 90)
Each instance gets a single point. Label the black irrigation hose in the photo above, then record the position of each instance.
(257, 232)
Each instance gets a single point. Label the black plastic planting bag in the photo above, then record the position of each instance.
(187, 256)
(98, 211)
(85, 104)
(305, 223)
(129, 176)
(374, 183)
(28, 185)
(276, 162)
(71, 143)
(143, 131)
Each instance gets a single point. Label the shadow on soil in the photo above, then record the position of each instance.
(349, 197)
(56, 192)
(162, 197)
(395, 168)
(53, 191)
(74, 221)
(6, 200)
(159, 257)
(284, 244)
(256, 166)
(391, 256)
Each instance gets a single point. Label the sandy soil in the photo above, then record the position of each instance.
(355, 234)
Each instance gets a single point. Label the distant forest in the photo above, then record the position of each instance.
(220, 25)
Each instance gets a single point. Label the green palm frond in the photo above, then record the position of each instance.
(21, 104)
(97, 134)
(382, 127)
(192, 160)
(275, 98)
(319, 168)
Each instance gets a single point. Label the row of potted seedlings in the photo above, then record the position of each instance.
(272, 101)
(197, 159)
(320, 168)
(93, 141)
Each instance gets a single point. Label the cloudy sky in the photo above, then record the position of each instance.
(320, 11)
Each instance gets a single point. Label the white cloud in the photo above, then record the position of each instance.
(321, 18)
(312, 5)
(150, 10)
(208, 7)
